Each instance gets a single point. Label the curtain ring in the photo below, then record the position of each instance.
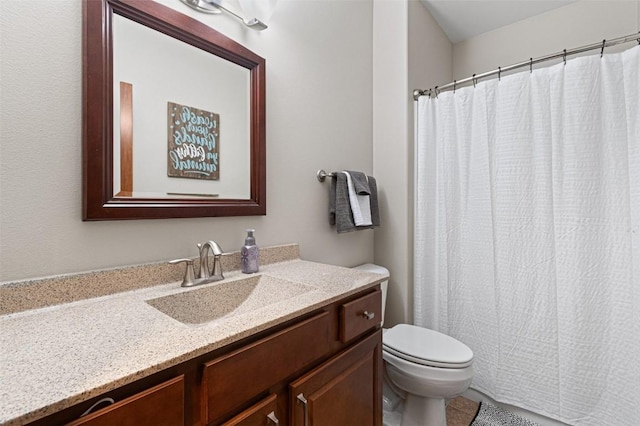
(454, 86)
(436, 90)
(602, 50)
(499, 73)
(564, 56)
(530, 65)
(473, 78)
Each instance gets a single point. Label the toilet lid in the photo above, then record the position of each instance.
(426, 347)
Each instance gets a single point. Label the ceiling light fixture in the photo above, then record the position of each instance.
(215, 7)
(202, 6)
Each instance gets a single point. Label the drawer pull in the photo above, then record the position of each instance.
(302, 400)
(368, 315)
(103, 400)
(271, 417)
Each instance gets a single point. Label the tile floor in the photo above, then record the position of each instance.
(461, 411)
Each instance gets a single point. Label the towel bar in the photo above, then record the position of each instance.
(321, 175)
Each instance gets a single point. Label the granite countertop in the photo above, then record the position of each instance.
(57, 356)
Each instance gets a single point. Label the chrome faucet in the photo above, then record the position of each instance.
(206, 275)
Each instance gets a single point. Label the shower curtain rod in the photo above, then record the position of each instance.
(473, 79)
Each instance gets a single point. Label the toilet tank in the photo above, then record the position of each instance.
(370, 267)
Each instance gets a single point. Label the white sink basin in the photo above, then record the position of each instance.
(227, 298)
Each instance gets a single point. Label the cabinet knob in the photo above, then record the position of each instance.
(368, 315)
(271, 417)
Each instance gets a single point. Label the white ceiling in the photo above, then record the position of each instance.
(462, 19)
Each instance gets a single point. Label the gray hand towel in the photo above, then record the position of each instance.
(360, 183)
(340, 210)
(339, 207)
(332, 201)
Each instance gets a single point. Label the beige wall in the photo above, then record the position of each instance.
(577, 24)
(410, 51)
(390, 148)
(319, 115)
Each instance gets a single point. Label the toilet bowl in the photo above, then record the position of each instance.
(430, 367)
(424, 366)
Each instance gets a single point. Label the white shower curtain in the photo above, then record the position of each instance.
(527, 235)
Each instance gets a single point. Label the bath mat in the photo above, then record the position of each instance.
(490, 415)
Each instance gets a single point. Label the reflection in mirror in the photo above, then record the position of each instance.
(164, 115)
(173, 116)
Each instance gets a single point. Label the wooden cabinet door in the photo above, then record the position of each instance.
(344, 391)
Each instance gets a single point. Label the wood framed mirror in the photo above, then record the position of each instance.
(116, 176)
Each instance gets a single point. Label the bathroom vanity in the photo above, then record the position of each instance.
(297, 344)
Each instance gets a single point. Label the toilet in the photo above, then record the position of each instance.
(423, 366)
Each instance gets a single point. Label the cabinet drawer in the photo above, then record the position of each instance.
(233, 379)
(159, 405)
(263, 413)
(360, 315)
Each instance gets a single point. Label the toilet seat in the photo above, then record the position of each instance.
(426, 347)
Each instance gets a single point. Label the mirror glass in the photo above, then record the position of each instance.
(173, 116)
(211, 156)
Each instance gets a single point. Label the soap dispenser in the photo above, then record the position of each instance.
(249, 254)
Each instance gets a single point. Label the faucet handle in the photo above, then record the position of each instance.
(189, 274)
